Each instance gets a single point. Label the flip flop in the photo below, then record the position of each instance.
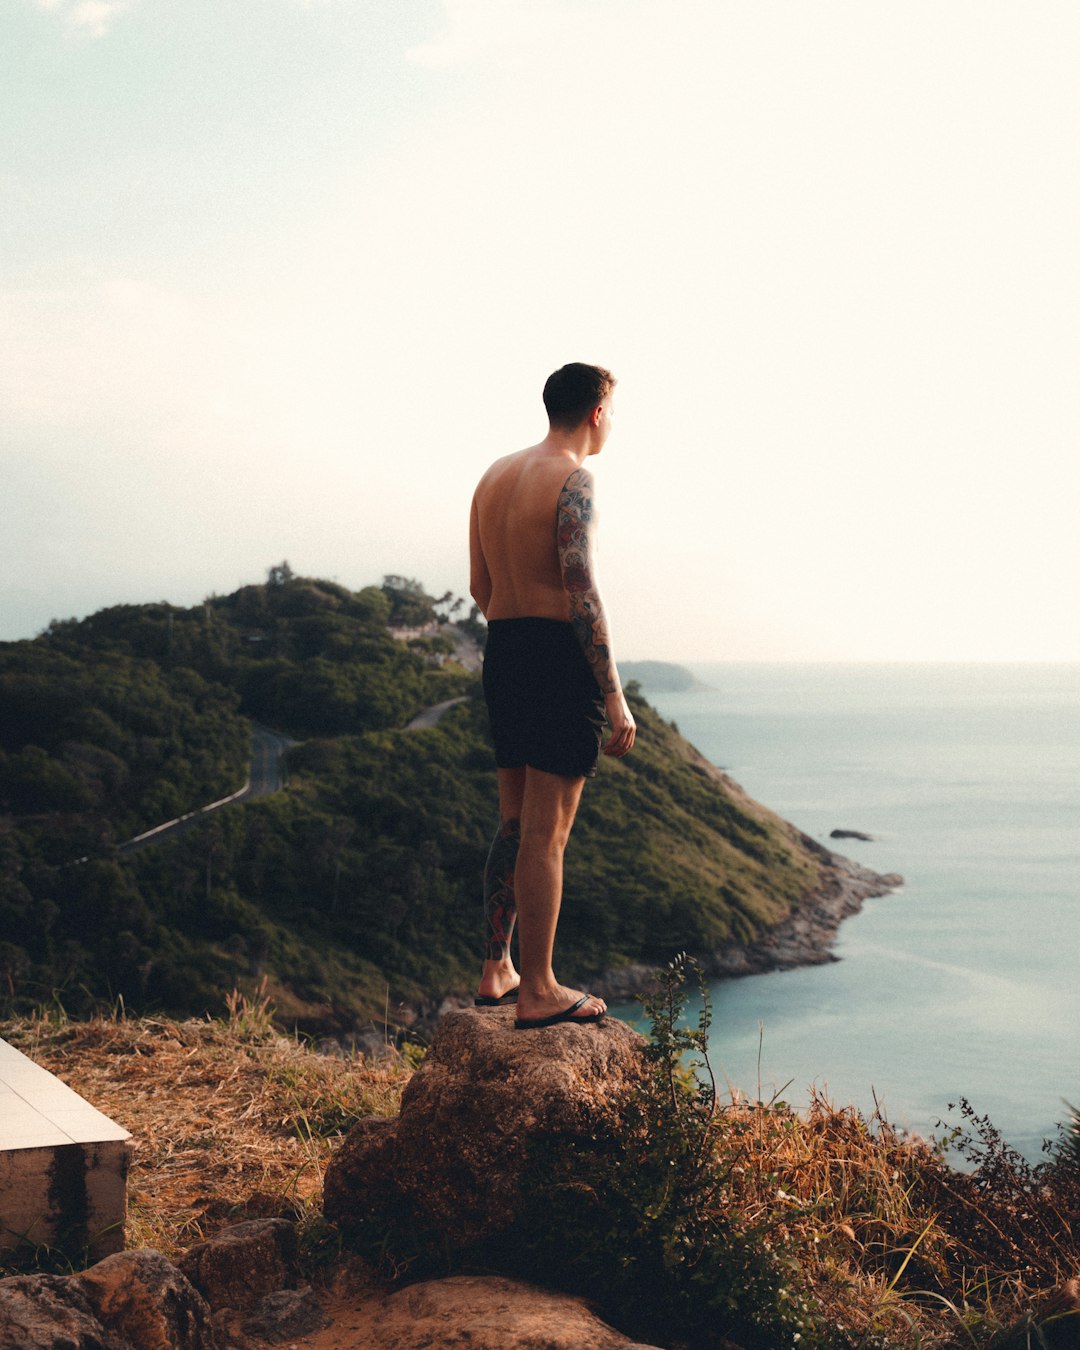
(567, 1015)
(486, 1001)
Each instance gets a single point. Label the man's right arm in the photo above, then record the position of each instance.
(576, 540)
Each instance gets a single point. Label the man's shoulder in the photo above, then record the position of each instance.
(579, 478)
(500, 467)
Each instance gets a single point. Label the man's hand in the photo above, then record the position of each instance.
(623, 726)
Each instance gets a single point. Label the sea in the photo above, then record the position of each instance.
(964, 983)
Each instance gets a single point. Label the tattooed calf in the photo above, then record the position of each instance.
(500, 909)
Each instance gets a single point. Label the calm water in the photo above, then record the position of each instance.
(965, 982)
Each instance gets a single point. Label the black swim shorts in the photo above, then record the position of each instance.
(545, 706)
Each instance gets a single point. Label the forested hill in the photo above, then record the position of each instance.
(357, 888)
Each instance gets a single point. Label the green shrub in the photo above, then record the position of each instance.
(647, 1221)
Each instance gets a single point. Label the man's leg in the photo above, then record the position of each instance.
(500, 910)
(547, 813)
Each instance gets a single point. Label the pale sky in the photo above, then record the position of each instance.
(279, 278)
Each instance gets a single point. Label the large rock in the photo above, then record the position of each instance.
(144, 1299)
(242, 1264)
(43, 1312)
(484, 1096)
(471, 1312)
(133, 1299)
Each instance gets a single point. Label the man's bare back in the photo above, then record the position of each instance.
(514, 514)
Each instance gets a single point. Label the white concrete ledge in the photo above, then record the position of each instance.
(63, 1163)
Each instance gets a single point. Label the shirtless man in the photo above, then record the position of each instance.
(549, 679)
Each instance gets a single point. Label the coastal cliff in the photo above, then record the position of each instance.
(351, 894)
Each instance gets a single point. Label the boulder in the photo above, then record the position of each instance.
(145, 1301)
(484, 1096)
(133, 1299)
(240, 1265)
(44, 1312)
(477, 1313)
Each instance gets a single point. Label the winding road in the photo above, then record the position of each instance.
(266, 775)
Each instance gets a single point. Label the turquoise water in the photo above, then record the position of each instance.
(963, 983)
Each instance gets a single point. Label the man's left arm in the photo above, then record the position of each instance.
(576, 541)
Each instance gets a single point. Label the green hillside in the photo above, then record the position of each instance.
(358, 888)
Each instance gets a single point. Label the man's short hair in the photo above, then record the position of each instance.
(574, 391)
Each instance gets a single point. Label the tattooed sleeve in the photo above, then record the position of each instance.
(575, 535)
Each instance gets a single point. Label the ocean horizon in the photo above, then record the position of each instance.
(961, 984)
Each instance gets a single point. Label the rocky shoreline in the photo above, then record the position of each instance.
(804, 938)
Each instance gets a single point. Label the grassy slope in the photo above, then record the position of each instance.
(665, 856)
(357, 890)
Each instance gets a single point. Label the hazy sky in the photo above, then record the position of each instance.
(279, 278)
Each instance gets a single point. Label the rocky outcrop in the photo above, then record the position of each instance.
(483, 1097)
(141, 1301)
(41, 1312)
(471, 1312)
(806, 936)
(131, 1299)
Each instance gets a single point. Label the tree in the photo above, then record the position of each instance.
(280, 575)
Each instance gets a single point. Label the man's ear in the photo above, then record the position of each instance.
(597, 413)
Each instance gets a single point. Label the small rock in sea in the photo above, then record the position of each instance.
(851, 834)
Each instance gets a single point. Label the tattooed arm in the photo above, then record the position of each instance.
(576, 540)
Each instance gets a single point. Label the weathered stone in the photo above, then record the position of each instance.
(484, 1094)
(132, 1299)
(286, 1314)
(142, 1299)
(477, 1312)
(241, 1264)
(49, 1312)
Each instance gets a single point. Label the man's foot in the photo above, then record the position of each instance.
(569, 1014)
(487, 1001)
(559, 1005)
(498, 984)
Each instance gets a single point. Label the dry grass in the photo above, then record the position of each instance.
(847, 1198)
(229, 1119)
(898, 1247)
(232, 1120)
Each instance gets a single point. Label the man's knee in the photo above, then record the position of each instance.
(549, 834)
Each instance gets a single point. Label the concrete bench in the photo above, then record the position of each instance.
(63, 1165)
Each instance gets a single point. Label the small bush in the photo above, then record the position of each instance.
(650, 1222)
